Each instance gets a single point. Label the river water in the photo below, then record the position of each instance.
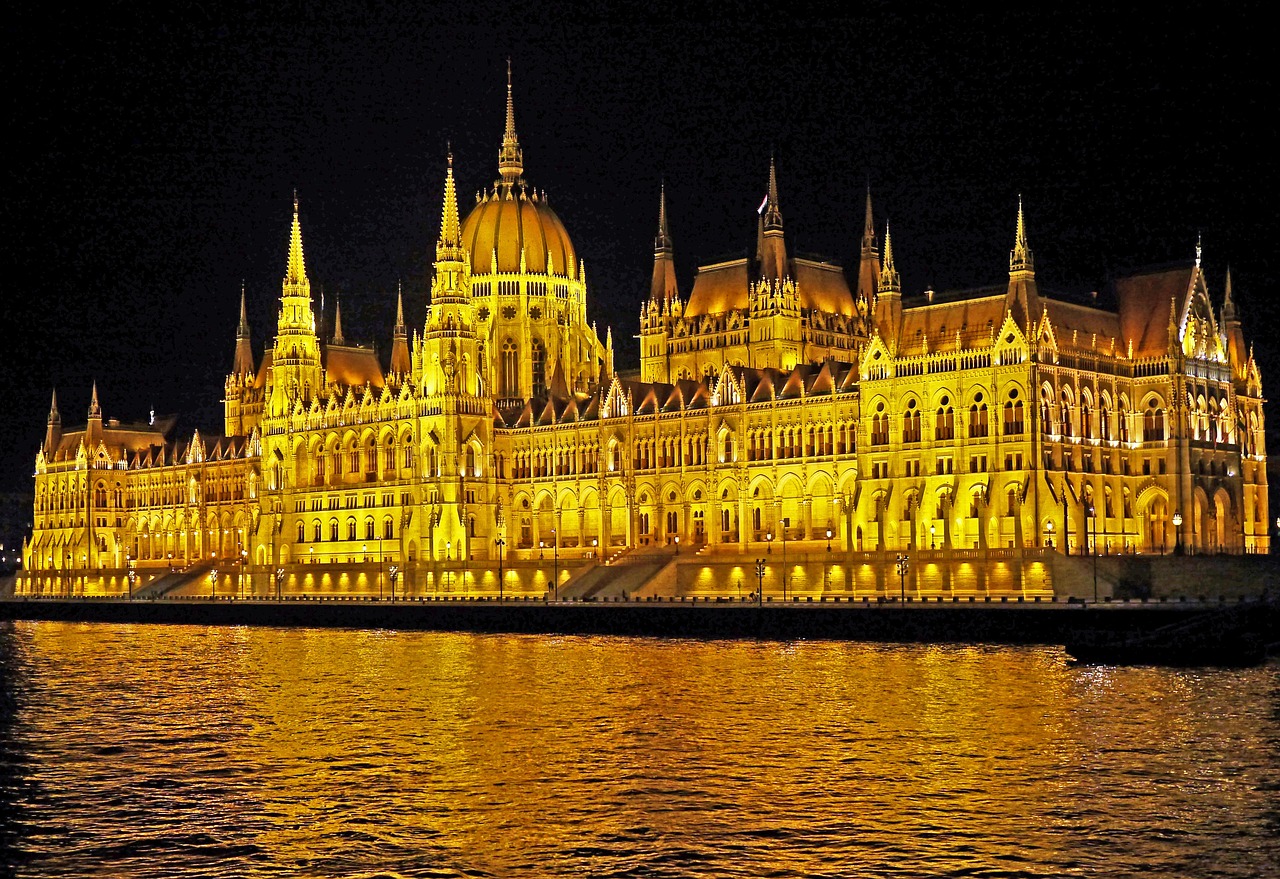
(197, 751)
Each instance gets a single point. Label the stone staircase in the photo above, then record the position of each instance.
(161, 586)
(624, 574)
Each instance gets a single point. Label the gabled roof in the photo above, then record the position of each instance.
(1143, 301)
(352, 367)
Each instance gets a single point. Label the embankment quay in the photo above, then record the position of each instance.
(1007, 621)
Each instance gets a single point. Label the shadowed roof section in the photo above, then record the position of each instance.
(1143, 302)
(726, 287)
(353, 367)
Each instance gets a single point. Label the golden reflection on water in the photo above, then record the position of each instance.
(148, 751)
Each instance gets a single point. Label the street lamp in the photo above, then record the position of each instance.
(677, 544)
(933, 529)
(828, 540)
(244, 560)
(393, 571)
(760, 579)
(595, 553)
(448, 556)
(132, 575)
(904, 565)
(1093, 514)
(500, 543)
(555, 551)
(1177, 534)
(768, 539)
(279, 581)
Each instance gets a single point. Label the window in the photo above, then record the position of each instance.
(510, 370)
(351, 529)
(1013, 421)
(333, 529)
(944, 427)
(302, 533)
(880, 426)
(388, 529)
(911, 423)
(316, 533)
(978, 424)
(1153, 424)
(538, 360)
(368, 529)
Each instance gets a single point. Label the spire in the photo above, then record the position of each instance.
(243, 364)
(1228, 304)
(772, 214)
(296, 272)
(890, 281)
(54, 417)
(1199, 250)
(95, 411)
(868, 227)
(663, 241)
(772, 246)
(53, 430)
(337, 325)
(450, 228)
(400, 364)
(662, 288)
(510, 157)
(1021, 259)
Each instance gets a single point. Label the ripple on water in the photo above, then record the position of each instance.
(158, 751)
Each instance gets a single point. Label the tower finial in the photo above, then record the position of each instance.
(450, 228)
(337, 324)
(889, 279)
(663, 241)
(510, 157)
(1199, 249)
(296, 272)
(53, 408)
(95, 411)
(772, 214)
(1020, 259)
(868, 226)
(243, 329)
(399, 307)
(1228, 303)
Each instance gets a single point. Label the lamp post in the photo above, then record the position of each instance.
(760, 582)
(677, 544)
(279, 582)
(448, 557)
(500, 543)
(828, 540)
(393, 571)
(933, 530)
(244, 560)
(768, 542)
(132, 575)
(904, 565)
(595, 551)
(1177, 532)
(784, 559)
(555, 552)
(1094, 531)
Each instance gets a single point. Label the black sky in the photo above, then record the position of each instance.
(153, 157)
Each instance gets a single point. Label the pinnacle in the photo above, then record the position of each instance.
(296, 272)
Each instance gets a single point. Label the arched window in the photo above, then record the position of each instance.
(302, 532)
(368, 529)
(351, 529)
(388, 529)
(911, 423)
(510, 370)
(333, 529)
(944, 427)
(538, 361)
(979, 426)
(1013, 415)
(315, 531)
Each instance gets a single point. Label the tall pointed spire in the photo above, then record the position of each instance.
(889, 278)
(662, 287)
(296, 271)
(95, 411)
(243, 364)
(510, 157)
(1021, 258)
(400, 364)
(772, 213)
(54, 417)
(53, 430)
(663, 241)
(337, 325)
(1228, 303)
(450, 227)
(868, 227)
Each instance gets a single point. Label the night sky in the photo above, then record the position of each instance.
(152, 160)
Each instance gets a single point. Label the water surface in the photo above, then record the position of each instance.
(180, 750)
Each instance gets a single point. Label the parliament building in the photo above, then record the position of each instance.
(782, 404)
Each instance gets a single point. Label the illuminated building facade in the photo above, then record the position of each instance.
(779, 402)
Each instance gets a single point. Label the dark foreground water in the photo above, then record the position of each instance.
(189, 751)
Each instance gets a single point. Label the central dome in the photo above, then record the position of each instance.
(507, 221)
